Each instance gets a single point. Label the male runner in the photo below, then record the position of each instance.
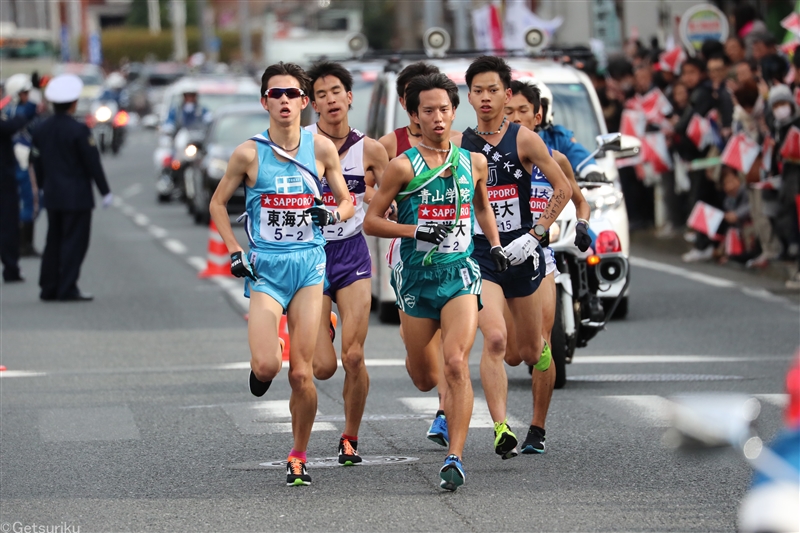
(524, 109)
(512, 153)
(285, 269)
(395, 144)
(348, 268)
(437, 186)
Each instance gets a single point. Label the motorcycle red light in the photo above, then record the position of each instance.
(176, 165)
(607, 242)
(121, 119)
(167, 161)
(593, 260)
(90, 121)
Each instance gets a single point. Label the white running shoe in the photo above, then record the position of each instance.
(695, 256)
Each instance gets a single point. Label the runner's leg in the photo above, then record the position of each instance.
(527, 315)
(493, 371)
(512, 357)
(354, 303)
(262, 334)
(459, 319)
(422, 359)
(325, 354)
(304, 315)
(543, 382)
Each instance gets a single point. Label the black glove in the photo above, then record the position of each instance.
(320, 214)
(432, 233)
(241, 267)
(582, 238)
(500, 258)
(595, 177)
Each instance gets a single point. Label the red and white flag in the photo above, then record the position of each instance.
(733, 242)
(699, 131)
(672, 60)
(655, 105)
(792, 23)
(790, 150)
(655, 152)
(705, 219)
(740, 153)
(632, 123)
(487, 28)
(766, 154)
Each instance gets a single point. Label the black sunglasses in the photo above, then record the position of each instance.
(290, 92)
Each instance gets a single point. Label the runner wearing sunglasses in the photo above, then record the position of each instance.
(285, 269)
(349, 267)
(440, 191)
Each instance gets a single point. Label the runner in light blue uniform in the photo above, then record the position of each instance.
(287, 250)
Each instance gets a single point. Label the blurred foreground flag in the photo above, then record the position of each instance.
(790, 151)
(705, 219)
(518, 19)
(486, 28)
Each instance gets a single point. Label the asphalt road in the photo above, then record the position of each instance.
(132, 412)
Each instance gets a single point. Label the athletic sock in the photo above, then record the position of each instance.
(439, 413)
(350, 438)
(298, 455)
(537, 428)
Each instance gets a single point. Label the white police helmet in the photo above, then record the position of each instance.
(115, 80)
(189, 86)
(18, 83)
(546, 99)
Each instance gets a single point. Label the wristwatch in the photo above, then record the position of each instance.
(539, 231)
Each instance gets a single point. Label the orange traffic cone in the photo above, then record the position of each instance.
(283, 334)
(218, 263)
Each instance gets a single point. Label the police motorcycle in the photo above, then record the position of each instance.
(584, 276)
(107, 118)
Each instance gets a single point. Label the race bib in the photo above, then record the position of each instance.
(283, 217)
(540, 197)
(459, 238)
(504, 200)
(342, 229)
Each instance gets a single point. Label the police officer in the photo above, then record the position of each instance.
(9, 196)
(66, 161)
(190, 114)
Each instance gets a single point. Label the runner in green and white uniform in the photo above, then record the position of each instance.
(441, 194)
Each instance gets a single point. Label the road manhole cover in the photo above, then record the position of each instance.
(654, 377)
(329, 462)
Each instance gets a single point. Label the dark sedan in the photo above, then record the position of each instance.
(232, 126)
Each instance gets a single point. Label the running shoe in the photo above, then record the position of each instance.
(348, 452)
(452, 473)
(438, 431)
(334, 321)
(505, 442)
(258, 388)
(534, 442)
(296, 473)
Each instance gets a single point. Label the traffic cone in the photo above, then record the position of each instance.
(218, 263)
(283, 334)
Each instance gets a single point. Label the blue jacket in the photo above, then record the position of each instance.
(178, 118)
(559, 138)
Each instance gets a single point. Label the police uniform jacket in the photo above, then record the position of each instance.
(66, 162)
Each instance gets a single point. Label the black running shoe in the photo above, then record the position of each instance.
(534, 442)
(258, 388)
(296, 473)
(348, 452)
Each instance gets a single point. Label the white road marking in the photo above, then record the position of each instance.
(20, 374)
(157, 232)
(175, 246)
(198, 263)
(480, 411)
(128, 210)
(131, 191)
(763, 294)
(779, 400)
(648, 359)
(141, 220)
(681, 272)
(655, 410)
(117, 202)
(262, 417)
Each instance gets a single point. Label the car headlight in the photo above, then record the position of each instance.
(217, 168)
(103, 114)
(603, 198)
(555, 232)
(190, 151)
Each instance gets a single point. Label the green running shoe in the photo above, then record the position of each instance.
(505, 442)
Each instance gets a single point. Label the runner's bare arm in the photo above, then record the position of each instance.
(389, 143)
(533, 151)
(328, 157)
(398, 174)
(480, 202)
(375, 161)
(581, 205)
(243, 161)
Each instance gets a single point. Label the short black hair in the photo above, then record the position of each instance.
(695, 62)
(329, 68)
(286, 69)
(489, 64)
(774, 68)
(531, 93)
(62, 108)
(711, 48)
(429, 82)
(420, 68)
(619, 67)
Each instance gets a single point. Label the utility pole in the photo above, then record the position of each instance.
(405, 26)
(75, 18)
(433, 13)
(460, 23)
(244, 32)
(153, 17)
(179, 30)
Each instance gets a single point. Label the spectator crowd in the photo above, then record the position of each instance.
(721, 142)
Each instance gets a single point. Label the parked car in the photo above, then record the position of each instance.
(232, 125)
(576, 107)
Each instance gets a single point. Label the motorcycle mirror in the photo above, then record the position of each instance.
(609, 142)
(630, 146)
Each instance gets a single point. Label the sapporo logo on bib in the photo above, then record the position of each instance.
(459, 238)
(504, 200)
(283, 217)
(540, 196)
(342, 229)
